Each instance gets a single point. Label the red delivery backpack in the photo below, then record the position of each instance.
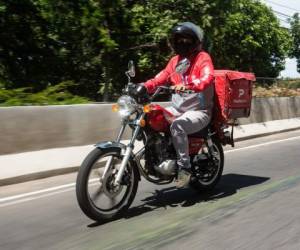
(233, 95)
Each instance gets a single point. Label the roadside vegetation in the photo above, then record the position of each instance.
(288, 87)
(53, 95)
(60, 95)
(66, 51)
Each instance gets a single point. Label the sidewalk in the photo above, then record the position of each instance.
(27, 166)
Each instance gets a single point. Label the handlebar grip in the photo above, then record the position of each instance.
(184, 91)
(173, 91)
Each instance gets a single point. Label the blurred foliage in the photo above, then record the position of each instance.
(53, 95)
(46, 42)
(282, 87)
(248, 37)
(289, 83)
(295, 31)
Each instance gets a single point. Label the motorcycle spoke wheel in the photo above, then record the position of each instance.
(208, 170)
(97, 195)
(103, 194)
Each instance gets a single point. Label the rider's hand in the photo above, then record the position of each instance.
(140, 90)
(179, 87)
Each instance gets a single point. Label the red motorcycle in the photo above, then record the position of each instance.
(108, 178)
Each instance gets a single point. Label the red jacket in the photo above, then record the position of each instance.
(198, 77)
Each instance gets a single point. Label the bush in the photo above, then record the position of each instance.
(289, 83)
(275, 91)
(53, 95)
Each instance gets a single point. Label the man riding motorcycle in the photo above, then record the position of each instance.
(108, 178)
(193, 111)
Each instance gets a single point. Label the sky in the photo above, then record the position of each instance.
(282, 9)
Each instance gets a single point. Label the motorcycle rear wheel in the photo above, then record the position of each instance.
(206, 176)
(98, 197)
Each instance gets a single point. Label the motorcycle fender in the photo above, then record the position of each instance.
(105, 145)
(118, 148)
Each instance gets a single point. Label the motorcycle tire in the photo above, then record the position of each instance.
(201, 185)
(82, 187)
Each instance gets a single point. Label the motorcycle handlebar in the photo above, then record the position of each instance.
(173, 91)
(167, 89)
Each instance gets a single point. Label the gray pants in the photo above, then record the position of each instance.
(188, 123)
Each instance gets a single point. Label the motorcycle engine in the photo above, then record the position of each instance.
(160, 156)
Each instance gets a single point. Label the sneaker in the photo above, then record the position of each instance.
(183, 178)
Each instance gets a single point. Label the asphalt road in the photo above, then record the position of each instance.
(255, 206)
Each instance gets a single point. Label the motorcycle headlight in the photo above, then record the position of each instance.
(127, 105)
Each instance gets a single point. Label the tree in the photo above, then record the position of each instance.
(89, 42)
(240, 34)
(151, 24)
(247, 36)
(73, 31)
(295, 30)
(24, 45)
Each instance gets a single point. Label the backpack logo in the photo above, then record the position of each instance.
(241, 92)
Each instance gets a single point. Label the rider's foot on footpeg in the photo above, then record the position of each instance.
(183, 178)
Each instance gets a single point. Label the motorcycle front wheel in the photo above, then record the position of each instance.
(97, 195)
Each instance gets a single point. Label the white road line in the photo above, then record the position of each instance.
(54, 190)
(262, 144)
(21, 200)
(36, 192)
(42, 191)
(26, 198)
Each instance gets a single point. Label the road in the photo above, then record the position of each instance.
(255, 206)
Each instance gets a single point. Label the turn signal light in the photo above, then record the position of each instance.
(115, 107)
(147, 109)
(142, 123)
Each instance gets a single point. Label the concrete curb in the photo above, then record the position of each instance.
(25, 167)
(37, 176)
(266, 134)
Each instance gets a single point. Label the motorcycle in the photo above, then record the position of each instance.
(108, 178)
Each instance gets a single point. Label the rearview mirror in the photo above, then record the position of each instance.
(131, 69)
(182, 66)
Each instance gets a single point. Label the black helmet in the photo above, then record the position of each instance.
(186, 38)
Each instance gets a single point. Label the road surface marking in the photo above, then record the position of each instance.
(36, 192)
(262, 144)
(54, 190)
(41, 191)
(21, 200)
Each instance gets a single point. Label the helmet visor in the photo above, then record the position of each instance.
(184, 40)
(183, 45)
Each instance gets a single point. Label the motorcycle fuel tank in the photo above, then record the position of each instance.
(159, 118)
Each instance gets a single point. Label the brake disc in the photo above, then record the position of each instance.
(108, 184)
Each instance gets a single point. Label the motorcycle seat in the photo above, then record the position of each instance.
(201, 133)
